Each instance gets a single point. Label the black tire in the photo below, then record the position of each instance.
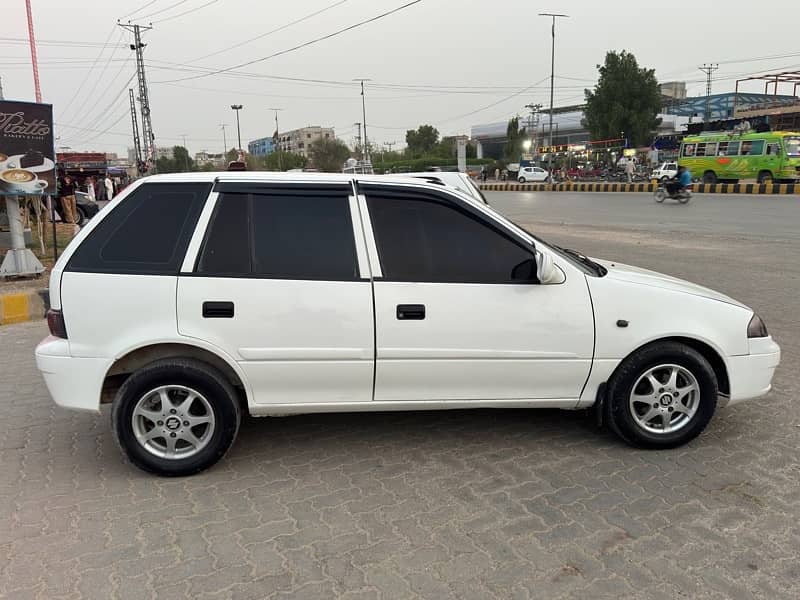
(190, 373)
(522, 180)
(665, 179)
(620, 388)
(709, 177)
(660, 195)
(80, 216)
(765, 177)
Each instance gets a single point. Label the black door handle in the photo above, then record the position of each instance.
(410, 312)
(218, 310)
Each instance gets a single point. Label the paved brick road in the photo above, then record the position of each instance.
(487, 504)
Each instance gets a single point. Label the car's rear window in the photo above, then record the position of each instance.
(146, 234)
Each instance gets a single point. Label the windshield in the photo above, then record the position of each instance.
(792, 146)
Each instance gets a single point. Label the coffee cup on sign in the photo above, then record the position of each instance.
(21, 181)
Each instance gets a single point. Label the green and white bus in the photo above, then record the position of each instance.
(767, 157)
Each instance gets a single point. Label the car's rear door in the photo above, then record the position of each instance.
(281, 284)
(452, 320)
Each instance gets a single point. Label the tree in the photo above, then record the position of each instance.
(328, 155)
(626, 99)
(422, 140)
(284, 161)
(183, 162)
(514, 139)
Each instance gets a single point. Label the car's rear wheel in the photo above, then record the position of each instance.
(662, 396)
(521, 180)
(664, 179)
(175, 417)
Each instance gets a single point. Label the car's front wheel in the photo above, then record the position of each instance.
(521, 180)
(175, 417)
(662, 396)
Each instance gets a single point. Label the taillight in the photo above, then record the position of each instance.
(55, 321)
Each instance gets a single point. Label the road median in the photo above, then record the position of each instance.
(26, 305)
(698, 188)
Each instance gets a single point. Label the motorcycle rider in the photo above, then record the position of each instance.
(681, 182)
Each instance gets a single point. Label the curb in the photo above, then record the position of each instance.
(699, 188)
(24, 306)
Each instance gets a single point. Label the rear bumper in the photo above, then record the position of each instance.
(73, 383)
(751, 375)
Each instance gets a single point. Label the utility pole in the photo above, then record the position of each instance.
(186, 158)
(708, 70)
(358, 140)
(364, 115)
(34, 58)
(533, 125)
(1, 88)
(224, 141)
(237, 108)
(137, 142)
(149, 146)
(277, 135)
(554, 16)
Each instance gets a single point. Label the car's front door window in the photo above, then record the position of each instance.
(427, 240)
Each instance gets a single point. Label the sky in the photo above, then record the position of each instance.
(449, 63)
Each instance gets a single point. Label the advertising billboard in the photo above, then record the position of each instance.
(27, 160)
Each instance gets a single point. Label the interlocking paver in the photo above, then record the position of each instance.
(484, 504)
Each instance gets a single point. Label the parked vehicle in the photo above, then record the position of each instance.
(683, 196)
(527, 174)
(666, 171)
(87, 208)
(455, 179)
(279, 294)
(767, 156)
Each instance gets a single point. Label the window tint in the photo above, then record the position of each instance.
(303, 237)
(753, 148)
(428, 241)
(226, 250)
(281, 237)
(728, 149)
(147, 233)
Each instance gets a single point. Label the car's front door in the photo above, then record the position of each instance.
(281, 284)
(457, 318)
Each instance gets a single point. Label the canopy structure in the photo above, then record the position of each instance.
(774, 105)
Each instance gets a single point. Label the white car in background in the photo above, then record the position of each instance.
(293, 293)
(527, 174)
(455, 179)
(667, 170)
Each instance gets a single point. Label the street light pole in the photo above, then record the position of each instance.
(364, 115)
(237, 108)
(278, 133)
(186, 158)
(554, 16)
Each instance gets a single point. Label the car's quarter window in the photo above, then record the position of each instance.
(281, 235)
(427, 239)
(146, 234)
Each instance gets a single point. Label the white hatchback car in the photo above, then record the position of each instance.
(667, 170)
(527, 174)
(298, 293)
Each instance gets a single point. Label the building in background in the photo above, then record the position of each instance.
(165, 152)
(298, 141)
(204, 158)
(673, 89)
(261, 147)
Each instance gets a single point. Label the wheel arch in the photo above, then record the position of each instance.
(711, 354)
(135, 358)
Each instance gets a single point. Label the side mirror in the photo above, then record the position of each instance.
(547, 271)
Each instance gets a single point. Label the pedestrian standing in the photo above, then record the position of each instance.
(109, 187)
(90, 189)
(483, 174)
(629, 169)
(68, 203)
(497, 174)
(100, 190)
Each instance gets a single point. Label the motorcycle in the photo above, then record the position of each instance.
(683, 196)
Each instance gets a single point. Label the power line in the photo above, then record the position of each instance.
(303, 45)
(276, 30)
(146, 4)
(158, 12)
(89, 72)
(186, 12)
